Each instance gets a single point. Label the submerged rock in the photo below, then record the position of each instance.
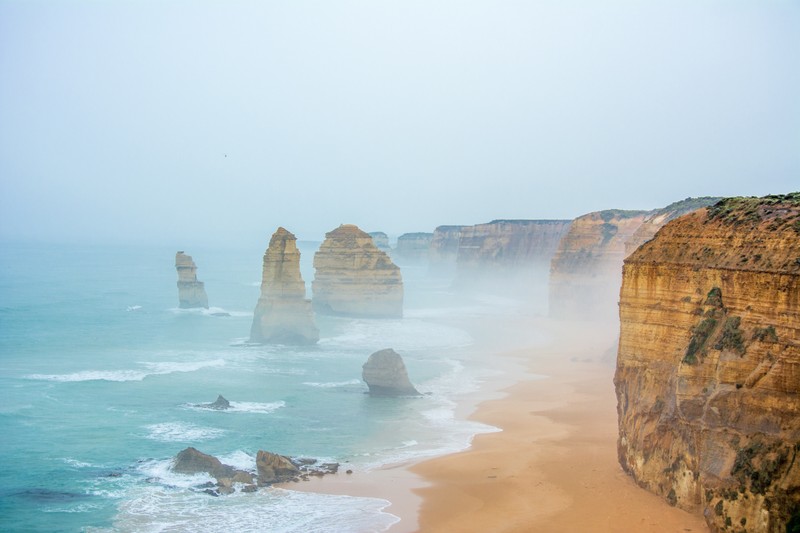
(191, 293)
(219, 404)
(386, 375)
(283, 314)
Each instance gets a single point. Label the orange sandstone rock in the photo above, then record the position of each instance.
(354, 278)
(283, 314)
(708, 369)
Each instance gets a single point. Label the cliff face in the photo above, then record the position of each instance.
(656, 220)
(413, 247)
(191, 293)
(381, 240)
(585, 270)
(444, 247)
(501, 246)
(708, 369)
(354, 278)
(283, 315)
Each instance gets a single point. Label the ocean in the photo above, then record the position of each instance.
(101, 375)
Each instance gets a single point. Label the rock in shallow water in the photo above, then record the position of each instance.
(386, 375)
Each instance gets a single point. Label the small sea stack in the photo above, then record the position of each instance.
(191, 293)
(386, 375)
(283, 315)
(354, 278)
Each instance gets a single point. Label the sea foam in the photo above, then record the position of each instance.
(153, 369)
(181, 432)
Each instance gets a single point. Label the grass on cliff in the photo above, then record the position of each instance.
(740, 210)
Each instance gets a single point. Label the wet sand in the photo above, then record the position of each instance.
(552, 468)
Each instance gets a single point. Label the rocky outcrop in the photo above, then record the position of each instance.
(656, 220)
(708, 370)
(283, 314)
(271, 468)
(501, 247)
(191, 293)
(193, 461)
(354, 278)
(586, 269)
(443, 250)
(413, 247)
(381, 240)
(385, 374)
(220, 404)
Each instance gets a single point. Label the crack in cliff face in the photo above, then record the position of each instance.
(708, 372)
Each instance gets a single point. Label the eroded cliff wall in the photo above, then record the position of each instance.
(354, 278)
(656, 220)
(708, 369)
(501, 247)
(443, 250)
(586, 269)
(413, 247)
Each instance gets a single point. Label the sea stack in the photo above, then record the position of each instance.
(191, 293)
(385, 374)
(283, 314)
(354, 278)
(443, 250)
(708, 369)
(413, 247)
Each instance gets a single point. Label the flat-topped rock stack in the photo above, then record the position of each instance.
(191, 293)
(283, 314)
(413, 247)
(354, 278)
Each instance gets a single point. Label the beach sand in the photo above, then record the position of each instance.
(552, 468)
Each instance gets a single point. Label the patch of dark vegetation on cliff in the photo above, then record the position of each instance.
(766, 334)
(700, 335)
(714, 298)
(731, 338)
(758, 464)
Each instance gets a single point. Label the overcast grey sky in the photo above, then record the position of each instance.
(197, 121)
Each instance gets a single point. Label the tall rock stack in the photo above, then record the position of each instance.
(283, 314)
(191, 293)
(586, 269)
(354, 278)
(708, 369)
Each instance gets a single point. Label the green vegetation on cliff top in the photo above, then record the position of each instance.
(780, 208)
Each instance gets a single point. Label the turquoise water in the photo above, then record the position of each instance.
(100, 373)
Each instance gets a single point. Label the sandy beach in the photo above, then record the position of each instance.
(552, 468)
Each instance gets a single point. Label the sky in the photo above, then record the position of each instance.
(180, 122)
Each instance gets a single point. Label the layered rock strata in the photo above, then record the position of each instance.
(353, 278)
(191, 293)
(413, 247)
(385, 374)
(506, 246)
(586, 268)
(708, 369)
(656, 220)
(443, 251)
(283, 314)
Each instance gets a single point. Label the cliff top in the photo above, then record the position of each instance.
(414, 235)
(740, 233)
(525, 222)
(687, 205)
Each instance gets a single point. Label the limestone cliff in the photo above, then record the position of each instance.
(191, 293)
(413, 247)
(381, 240)
(503, 246)
(708, 369)
(656, 220)
(444, 247)
(585, 270)
(283, 314)
(352, 277)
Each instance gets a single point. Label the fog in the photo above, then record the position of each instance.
(186, 122)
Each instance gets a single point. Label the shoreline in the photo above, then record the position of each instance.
(552, 467)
